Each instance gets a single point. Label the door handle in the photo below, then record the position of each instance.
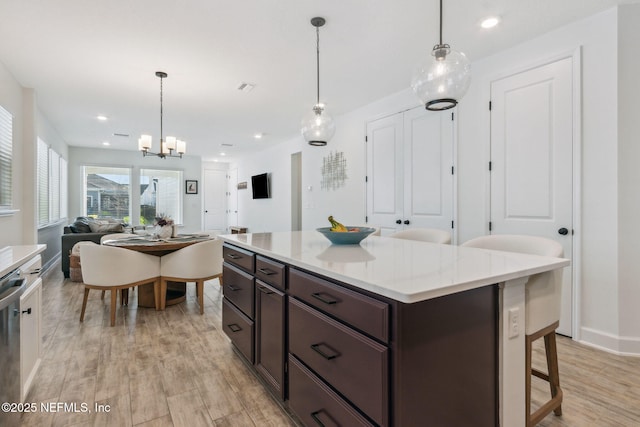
(398, 221)
(563, 231)
(407, 222)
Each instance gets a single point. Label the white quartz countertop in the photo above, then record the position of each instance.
(404, 270)
(12, 257)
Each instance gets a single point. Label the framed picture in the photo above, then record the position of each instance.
(191, 186)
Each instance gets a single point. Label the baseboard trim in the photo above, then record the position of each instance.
(620, 345)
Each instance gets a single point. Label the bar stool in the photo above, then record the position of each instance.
(432, 235)
(542, 313)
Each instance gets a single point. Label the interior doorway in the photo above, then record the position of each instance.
(296, 191)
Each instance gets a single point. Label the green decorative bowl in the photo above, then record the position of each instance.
(346, 237)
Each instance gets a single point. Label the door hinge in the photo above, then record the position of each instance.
(452, 170)
(489, 105)
(451, 116)
(366, 219)
(490, 165)
(490, 226)
(366, 178)
(452, 225)
(366, 138)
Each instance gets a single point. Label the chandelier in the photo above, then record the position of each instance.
(443, 78)
(318, 126)
(169, 147)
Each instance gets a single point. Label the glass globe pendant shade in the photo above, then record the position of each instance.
(317, 126)
(443, 79)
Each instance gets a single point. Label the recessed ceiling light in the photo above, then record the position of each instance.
(222, 153)
(490, 22)
(106, 143)
(246, 87)
(258, 135)
(101, 118)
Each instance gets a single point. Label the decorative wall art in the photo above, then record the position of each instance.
(191, 187)
(334, 171)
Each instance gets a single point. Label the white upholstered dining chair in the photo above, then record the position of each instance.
(113, 269)
(543, 294)
(195, 263)
(432, 235)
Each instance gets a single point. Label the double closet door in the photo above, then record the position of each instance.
(410, 170)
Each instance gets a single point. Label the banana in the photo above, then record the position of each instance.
(336, 226)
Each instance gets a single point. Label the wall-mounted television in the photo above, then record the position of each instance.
(260, 186)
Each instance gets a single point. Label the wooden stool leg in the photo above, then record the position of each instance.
(102, 295)
(84, 303)
(163, 294)
(554, 373)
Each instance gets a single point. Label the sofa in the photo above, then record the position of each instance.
(85, 229)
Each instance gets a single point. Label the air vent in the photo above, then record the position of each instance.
(246, 87)
(124, 135)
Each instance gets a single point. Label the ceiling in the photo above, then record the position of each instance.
(86, 58)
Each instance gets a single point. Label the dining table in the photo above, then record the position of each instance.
(149, 244)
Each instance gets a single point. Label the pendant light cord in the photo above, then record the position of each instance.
(318, 63)
(161, 136)
(440, 22)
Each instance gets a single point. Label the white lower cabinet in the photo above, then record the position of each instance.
(30, 326)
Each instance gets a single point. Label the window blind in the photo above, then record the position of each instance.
(6, 147)
(43, 182)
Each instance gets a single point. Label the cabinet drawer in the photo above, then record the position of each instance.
(315, 403)
(270, 271)
(239, 257)
(237, 287)
(239, 328)
(353, 364)
(366, 314)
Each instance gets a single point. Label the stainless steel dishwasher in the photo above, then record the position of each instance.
(11, 288)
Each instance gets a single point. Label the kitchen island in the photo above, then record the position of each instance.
(389, 332)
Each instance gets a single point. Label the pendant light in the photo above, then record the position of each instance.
(169, 146)
(318, 126)
(443, 79)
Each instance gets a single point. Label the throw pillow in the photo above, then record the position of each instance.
(81, 225)
(106, 227)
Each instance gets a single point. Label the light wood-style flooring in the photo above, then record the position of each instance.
(177, 368)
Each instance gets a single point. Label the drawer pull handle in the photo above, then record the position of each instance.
(233, 256)
(265, 290)
(233, 288)
(318, 296)
(28, 311)
(234, 327)
(316, 418)
(316, 348)
(266, 271)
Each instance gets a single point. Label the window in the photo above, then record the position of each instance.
(52, 185)
(160, 193)
(6, 147)
(107, 192)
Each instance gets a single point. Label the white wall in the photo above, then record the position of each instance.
(607, 303)
(12, 99)
(629, 176)
(190, 165)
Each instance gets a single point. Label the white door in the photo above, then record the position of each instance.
(428, 179)
(531, 160)
(215, 201)
(385, 160)
(409, 170)
(232, 197)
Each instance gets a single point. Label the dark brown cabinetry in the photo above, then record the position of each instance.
(270, 336)
(254, 312)
(342, 355)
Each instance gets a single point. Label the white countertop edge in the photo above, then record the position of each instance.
(390, 293)
(19, 255)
